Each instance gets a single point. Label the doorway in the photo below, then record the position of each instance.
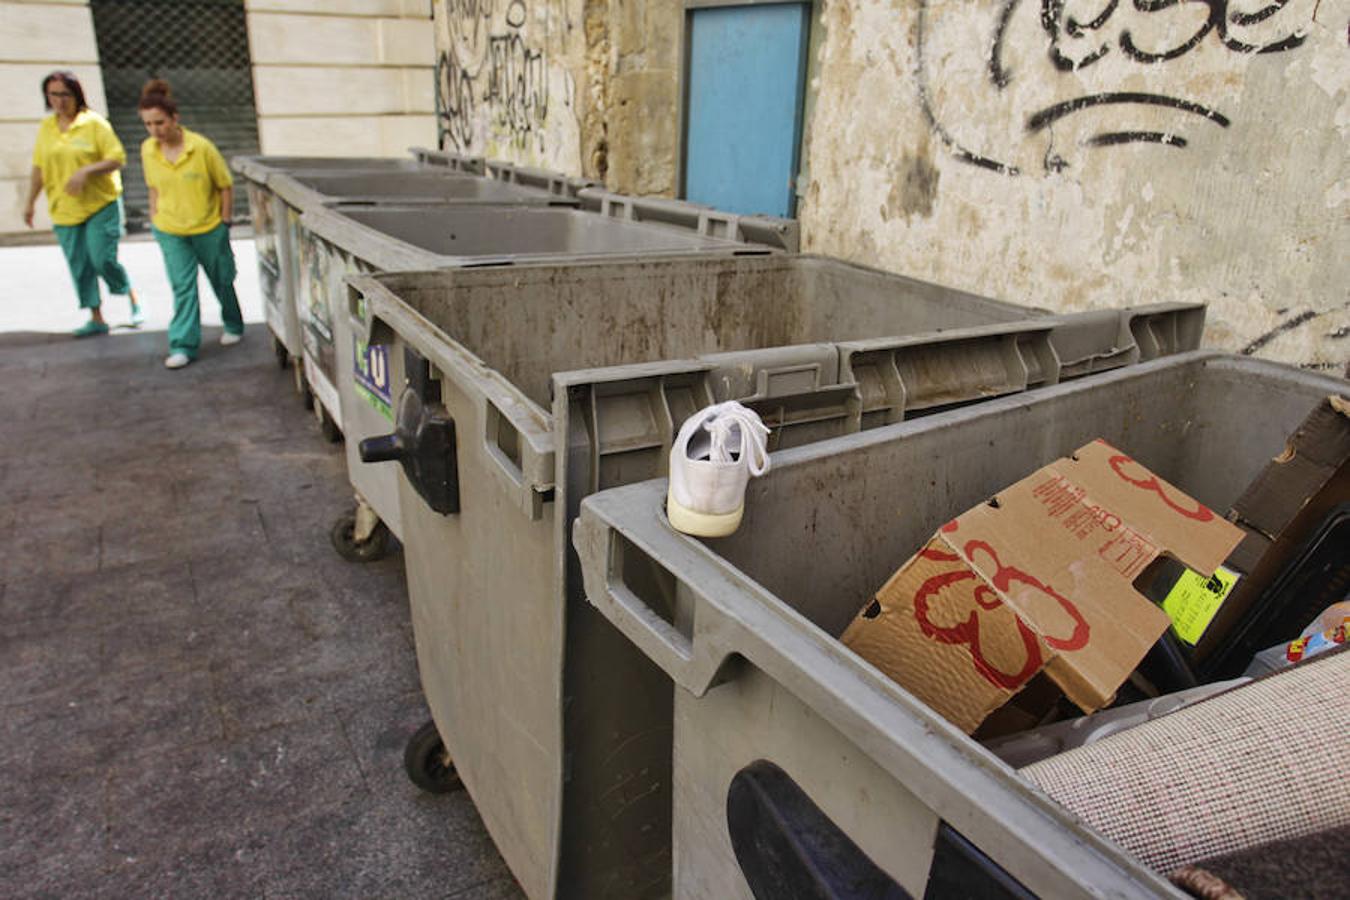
(745, 77)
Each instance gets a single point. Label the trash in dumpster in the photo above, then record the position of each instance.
(1040, 577)
(1263, 761)
(1307, 866)
(1031, 746)
(1190, 599)
(1326, 632)
(1296, 547)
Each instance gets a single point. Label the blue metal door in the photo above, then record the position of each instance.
(747, 70)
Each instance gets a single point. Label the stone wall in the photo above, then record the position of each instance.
(36, 38)
(511, 81)
(1079, 155)
(645, 85)
(342, 77)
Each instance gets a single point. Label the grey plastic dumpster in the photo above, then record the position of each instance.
(745, 627)
(346, 375)
(435, 157)
(553, 721)
(509, 172)
(274, 227)
(436, 186)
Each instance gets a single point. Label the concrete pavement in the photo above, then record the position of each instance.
(197, 696)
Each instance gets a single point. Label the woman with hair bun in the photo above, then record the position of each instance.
(191, 194)
(76, 160)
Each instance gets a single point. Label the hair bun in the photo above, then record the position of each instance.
(156, 87)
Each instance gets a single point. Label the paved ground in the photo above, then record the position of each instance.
(198, 698)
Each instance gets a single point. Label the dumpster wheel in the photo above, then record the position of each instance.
(283, 356)
(331, 432)
(302, 385)
(428, 764)
(344, 540)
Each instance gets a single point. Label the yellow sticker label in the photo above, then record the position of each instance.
(1194, 599)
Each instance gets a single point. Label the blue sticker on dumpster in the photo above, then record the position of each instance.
(372, 376)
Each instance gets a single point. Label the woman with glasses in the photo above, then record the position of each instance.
(76, 161)
(191, 194)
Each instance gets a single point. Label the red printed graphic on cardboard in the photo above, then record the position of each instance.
(1069, 504)
(973, 594)
(1128, 552)
(1147, 481)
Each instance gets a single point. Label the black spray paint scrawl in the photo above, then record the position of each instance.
(488, 62)
(997, 81)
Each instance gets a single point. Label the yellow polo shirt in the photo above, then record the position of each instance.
(57, 153)
(188, 188)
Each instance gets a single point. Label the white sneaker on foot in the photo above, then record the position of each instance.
(176, 360)
(229, 340)
(715, 453)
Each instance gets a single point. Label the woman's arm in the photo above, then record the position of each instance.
(154, 202)
(34, 188)
(82, 174)
(227, 204)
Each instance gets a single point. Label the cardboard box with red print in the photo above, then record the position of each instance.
(1039, 578)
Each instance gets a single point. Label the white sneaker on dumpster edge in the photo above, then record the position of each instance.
(714, 455)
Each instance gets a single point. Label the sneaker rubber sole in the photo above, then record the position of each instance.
(699, 524)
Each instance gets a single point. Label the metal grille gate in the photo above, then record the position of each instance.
(201, 48)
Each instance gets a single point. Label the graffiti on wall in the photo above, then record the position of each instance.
(996, 79)
(489, 73)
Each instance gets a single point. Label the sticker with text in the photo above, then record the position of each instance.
(371, 372)
(1194, 600)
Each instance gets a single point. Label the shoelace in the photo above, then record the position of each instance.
(731, 415)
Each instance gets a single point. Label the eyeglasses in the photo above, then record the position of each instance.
(60, 94)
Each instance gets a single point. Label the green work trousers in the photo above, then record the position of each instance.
(91, 253)
(183, 253)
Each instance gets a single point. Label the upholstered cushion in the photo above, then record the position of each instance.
(1267, 761)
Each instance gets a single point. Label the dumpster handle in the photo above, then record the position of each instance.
(503, 443)
(677, 649)
(668, 645)
(383, 448)
(507, 448)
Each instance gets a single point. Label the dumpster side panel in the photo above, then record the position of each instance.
(887, 822)
(314, 275)
(275, 265)
(262, 210)
(488, 636)
(328, 335)
(836, 287)
(368, 387)
(293, 245)
(594, 315)
(284, 307)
